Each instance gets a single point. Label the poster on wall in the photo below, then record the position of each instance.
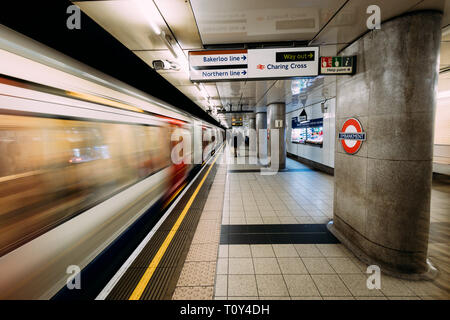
(307, 132)
(315, 135)
(298, 135)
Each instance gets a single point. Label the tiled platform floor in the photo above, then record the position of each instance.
(305, 271)
(197, 277)
(286, 197)
(293, 271)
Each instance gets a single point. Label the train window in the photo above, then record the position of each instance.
(20, 151)
(143, 152)
(9, 151)
(157, 150)
(164, 135)
(86, 145)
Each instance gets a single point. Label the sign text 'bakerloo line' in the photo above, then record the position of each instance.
(213, 65)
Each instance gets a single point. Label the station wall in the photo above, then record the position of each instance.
(441, 156)
(325, 155)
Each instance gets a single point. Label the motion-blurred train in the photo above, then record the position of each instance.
(82, 157)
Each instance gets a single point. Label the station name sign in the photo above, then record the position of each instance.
(352, 136)
(338, 65)
(253, 64)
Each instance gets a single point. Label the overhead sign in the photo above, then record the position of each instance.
(216, 65)
(236, 122)
(337, 65)
(303, 116)
(352, 135)
(307, 124)
(283, 63)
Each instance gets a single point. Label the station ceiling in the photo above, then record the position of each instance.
(200, 24)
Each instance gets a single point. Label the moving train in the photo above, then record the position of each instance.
(82, 157)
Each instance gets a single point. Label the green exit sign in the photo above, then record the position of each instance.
(336, 62)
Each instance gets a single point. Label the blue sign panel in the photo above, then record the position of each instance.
(295, 123)
(353, 136)
(306, 124)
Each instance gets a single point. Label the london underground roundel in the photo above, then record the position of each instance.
(352, 135)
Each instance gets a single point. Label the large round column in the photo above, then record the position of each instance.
(252, 123)
(276, 118)
(261, 134)
(252, 137)
(382, 193)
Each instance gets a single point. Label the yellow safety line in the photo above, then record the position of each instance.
(137, 292)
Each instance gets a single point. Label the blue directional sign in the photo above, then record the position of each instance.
(209, 65)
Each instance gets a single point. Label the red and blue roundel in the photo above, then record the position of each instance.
(352, 135)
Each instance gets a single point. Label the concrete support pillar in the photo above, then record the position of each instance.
(252, 137)
(252, 123)
(382, 193)
(261, 139)
(276, 122)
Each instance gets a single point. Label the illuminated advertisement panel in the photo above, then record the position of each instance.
(315, 135)
(298, 135)
(309, 132)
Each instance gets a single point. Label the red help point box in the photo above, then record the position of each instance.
(326, 62)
